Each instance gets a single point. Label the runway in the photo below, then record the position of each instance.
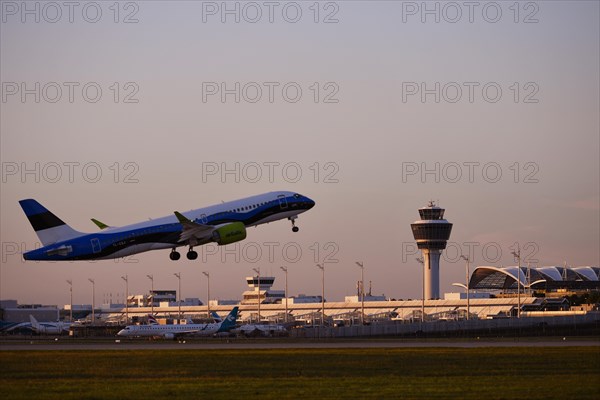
(233, 344)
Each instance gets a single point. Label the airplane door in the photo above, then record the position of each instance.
(282, 202)
(203, 218)
(96, 245)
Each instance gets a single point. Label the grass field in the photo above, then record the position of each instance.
(476, 373)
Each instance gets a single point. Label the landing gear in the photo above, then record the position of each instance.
(294, 227)
(174, 255)
(191, 254)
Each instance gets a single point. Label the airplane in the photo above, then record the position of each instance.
(256, 329)
(223, 224)
(49, 328)
(175, 331)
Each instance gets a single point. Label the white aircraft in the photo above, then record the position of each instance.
(223, 224)
(176, 331)
(256, 329)
(49, 328)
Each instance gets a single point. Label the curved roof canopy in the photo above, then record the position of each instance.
(501, 278)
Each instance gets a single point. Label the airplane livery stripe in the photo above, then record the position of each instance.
(44, 220)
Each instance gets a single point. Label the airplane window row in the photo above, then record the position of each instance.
(249, 207)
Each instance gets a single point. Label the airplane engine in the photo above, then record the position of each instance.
(230, 233)
(169, 336)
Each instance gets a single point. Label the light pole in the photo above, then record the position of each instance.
(517, 255)
(93, 300)
(284, 269)
(529, 280)
(322, 268)
(126, 279)
(207, 292)
(257, 270)
(362, 291)
(467, 287)
(151, 277)
(420, 260)
(70, 282)
(178, 275)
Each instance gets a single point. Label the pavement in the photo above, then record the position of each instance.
(233, 344)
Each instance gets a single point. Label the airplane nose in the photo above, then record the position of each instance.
(309, 203)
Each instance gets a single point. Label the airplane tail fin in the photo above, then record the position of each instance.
(49, 228)
(152, 320)
(216, 317)
(34, 322)
(229, 321)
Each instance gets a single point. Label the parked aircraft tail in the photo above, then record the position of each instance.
(229, 321)
(34, 322)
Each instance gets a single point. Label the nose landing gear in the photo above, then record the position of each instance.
(294, 227)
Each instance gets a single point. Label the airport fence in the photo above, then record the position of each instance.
(588, 324)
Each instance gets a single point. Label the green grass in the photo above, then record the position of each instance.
(532, 373)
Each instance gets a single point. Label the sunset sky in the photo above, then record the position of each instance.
(369, 108)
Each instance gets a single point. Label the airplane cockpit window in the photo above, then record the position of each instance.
(296, 195)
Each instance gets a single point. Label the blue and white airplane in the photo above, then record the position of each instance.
(223, 224)
(49, 328)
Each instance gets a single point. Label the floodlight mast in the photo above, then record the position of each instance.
(257, 270)
(467, 286)
(420, 261)
(362, 291)
(517, 255)
(151, 277)
(207, 274)
(322, 268)
(284, 269)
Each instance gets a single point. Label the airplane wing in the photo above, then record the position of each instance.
(193, 231)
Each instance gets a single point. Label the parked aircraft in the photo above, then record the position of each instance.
(173, 331)
(49, 328)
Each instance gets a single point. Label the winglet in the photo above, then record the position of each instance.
(99, 224)
(181, 218)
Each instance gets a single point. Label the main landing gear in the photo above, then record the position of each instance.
(294, 227)
(174, 255)
(191, 254)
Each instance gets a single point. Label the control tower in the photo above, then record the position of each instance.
(431, 232)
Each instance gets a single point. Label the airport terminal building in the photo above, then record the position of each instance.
(494, 292)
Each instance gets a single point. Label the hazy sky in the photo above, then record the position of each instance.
(370, 108)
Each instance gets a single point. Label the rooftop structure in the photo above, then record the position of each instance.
(260, 287)
(546, 278)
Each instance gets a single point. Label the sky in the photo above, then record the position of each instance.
(131, 110)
